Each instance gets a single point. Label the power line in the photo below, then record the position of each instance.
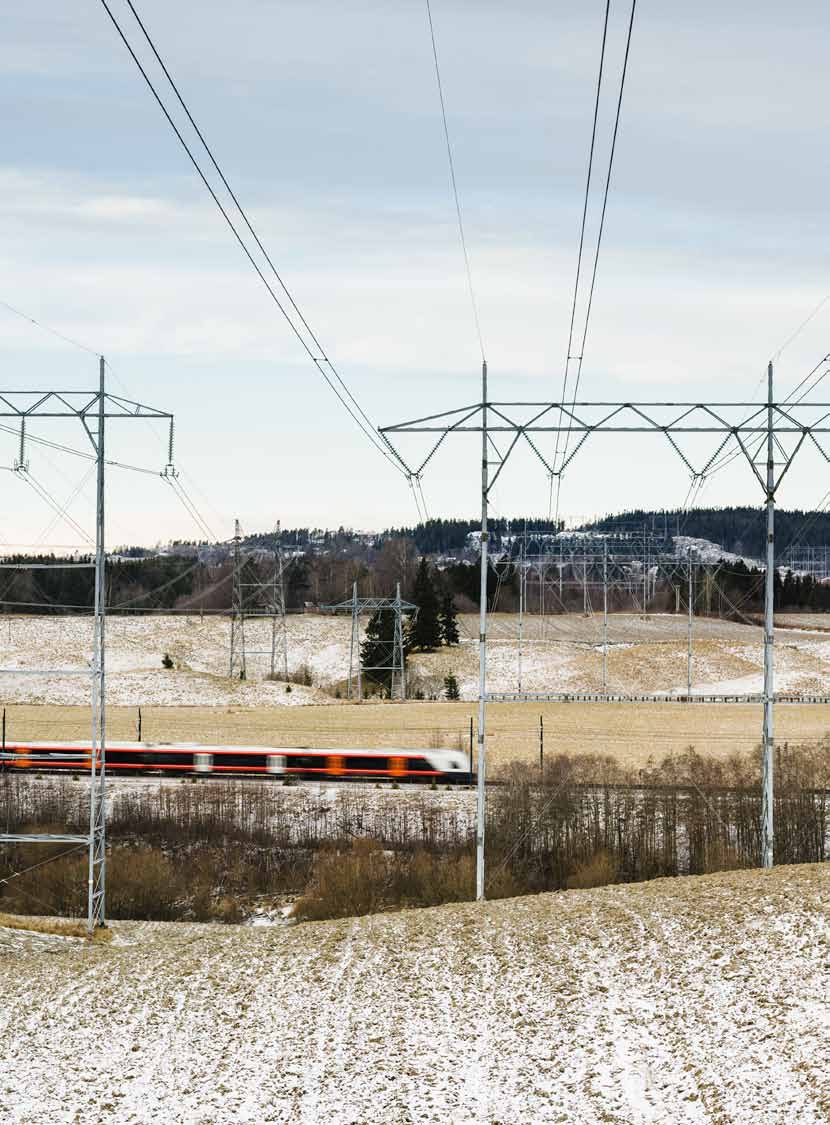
(190, 508)
(59, 511)
(597, 96)
(802, 326)
(453, 180)
(356, 412)
(601, 224)
(46, 328)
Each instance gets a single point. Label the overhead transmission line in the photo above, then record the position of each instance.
(729, 457)
(46, 328)
(323, 364)
(586, 198)
(178, 487)
(454, 182)
(606, 191)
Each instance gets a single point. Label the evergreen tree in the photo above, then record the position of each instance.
(448, 619)
(425, 633)
(451, 687)
(378, 649)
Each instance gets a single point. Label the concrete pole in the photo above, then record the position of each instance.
(482, 644)
(767, 836)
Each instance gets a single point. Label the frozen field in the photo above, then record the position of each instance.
(558, 654)
(700, 1000)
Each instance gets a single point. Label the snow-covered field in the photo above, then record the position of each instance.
(700, 1000)
(559, 653)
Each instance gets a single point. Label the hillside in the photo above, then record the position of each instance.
(687, 1000)
(559, 653)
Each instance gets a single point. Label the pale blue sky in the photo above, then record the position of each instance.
(326, 119)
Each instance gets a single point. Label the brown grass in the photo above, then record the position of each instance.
(600, 870)
(630, 733)
(57, 926)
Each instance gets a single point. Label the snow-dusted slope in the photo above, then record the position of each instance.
(688, 1000)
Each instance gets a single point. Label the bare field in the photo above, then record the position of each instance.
(632, 733)
(697, 999)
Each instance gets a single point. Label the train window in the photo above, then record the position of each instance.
(123, 757)
(305, 762)
(366, 764)
(418, 764)
(237, 761)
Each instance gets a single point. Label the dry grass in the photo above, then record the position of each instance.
(630, 733)
(58, 927)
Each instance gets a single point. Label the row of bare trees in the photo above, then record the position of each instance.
(208, 850)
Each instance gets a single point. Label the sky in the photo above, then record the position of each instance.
(326, 119)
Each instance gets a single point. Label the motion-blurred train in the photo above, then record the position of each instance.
(136, 759)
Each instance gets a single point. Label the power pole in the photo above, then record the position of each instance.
(394, 662)
(237, 655)
(354, 647)
(605, 618)
(91, 409)
(261, 597)
(482, 643)
(690, 598)
(96, 905)
(279, 631)
(767, 834)
(645, 573)
(398, 654)
(584, 584)
(738, 422)
(522, 580)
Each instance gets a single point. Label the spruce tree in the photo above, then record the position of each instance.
(448, 620)
(451, 690)
(425, 633)
(377, 650)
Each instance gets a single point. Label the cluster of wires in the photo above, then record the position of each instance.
(583, 292)
(61, 510)
(244, 233)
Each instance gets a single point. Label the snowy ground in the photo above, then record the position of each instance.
(699, 1000)
(558, 653)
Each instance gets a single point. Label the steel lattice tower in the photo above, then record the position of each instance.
(255, 596)
(396, 664)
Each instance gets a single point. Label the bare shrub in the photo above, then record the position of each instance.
(209, 851)
(345, 884)
(598, 871)
(301, 675)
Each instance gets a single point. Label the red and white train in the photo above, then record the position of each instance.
(135, 759)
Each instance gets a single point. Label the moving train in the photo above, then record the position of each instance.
(134, 759)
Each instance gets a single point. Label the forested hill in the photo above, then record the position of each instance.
(739, 530)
